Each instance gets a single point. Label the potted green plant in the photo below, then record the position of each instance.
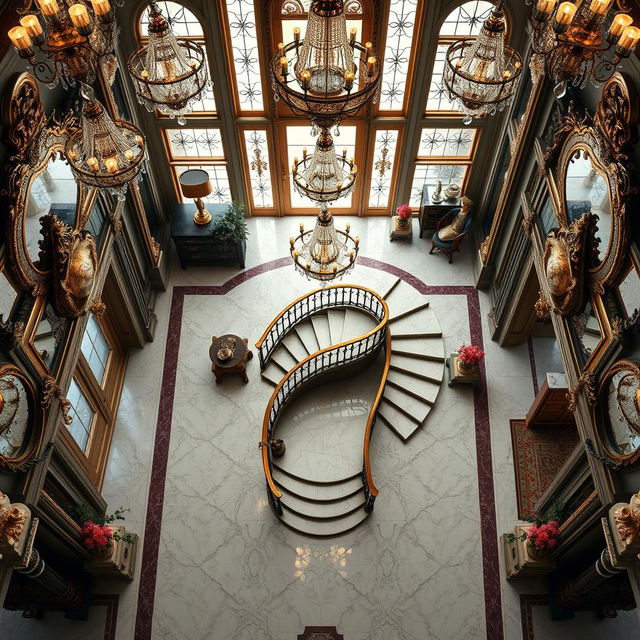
(230, 232)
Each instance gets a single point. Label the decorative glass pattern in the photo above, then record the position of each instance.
(465, 20)
(195, 143)
(219, 178)
(397, 53)
(429, 174)
(81, 415)
(446, 143)
(185, 24)
(246, 58)
(95, 348)
(383, 167)
(259, 170)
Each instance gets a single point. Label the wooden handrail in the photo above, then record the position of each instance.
(265, 422)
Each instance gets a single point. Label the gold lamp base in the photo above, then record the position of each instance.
(201, 216)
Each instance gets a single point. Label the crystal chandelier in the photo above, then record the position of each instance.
(482, 74)
(327, 75)
(324, 176)
(104, 153)
(169, 75)
(576, 39)
(325, 253)
(74, 37)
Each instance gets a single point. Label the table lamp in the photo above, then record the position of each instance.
(195, 184)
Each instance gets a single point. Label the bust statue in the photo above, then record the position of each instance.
(456, 227)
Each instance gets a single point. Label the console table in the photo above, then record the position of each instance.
(429, 213)
(195, 246)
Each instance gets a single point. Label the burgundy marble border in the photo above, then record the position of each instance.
(111, 602)
(489, 535)
(527, 602)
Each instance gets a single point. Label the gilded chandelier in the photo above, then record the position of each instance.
(169, 75)
(73, 36)
(576, 39)
(327, 75)
(481, 74)
(104, 153)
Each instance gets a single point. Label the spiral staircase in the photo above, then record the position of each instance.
(318, 353)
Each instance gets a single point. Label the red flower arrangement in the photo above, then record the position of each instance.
(543, 536)
(404, 211)
(470, 353)
(96, 536)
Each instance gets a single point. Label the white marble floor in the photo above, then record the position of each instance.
(228, 568)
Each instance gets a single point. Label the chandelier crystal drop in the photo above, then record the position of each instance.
(482, 74)
(169, 75)
(324, 176)
(329, 74)
(74, 36)
(577, 39)
(105, 153)
(324, 253)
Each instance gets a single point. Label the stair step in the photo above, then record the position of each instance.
(283, 358)
(320, 324)
(409, 312)
(427, 349)
(273, 373)
(416, 334)
(427, 369)
(294, 346)
(403, 299)
(402, 426)
(389, 291)
(356, 324)
(307, 336)
(336, 324)
(324, 528)
(413, 408)
(417, 387)
(323, 510)
(317, 492)
(423, 321)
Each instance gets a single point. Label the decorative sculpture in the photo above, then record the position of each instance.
(437, 198)
(627, 519)
(13, 520)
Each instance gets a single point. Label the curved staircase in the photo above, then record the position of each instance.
(397, 341)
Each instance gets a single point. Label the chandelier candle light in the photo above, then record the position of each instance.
(327, 75)
(104, 153)
(169, 75)
(575, 39)
(74, 37)
(481, 74)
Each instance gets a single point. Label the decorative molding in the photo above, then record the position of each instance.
(51, 390)
(627, 520)
(98, 308)
(542, 307)
(484, 249)
(587, 385)
(13, 520)
(625, 328)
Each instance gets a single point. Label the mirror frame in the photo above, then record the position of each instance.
(35, 138)
(608, 136)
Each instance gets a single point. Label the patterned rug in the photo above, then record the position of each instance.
(320, 633)
(538, 455)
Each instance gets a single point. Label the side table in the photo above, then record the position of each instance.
(229, 355)
(429, 213)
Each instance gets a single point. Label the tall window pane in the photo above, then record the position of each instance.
(397, 53)
(95, 348)
(245, 53)
(259, 170)
(219, 178)
(383, 167)
(81, 415)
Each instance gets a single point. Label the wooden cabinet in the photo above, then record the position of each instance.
(430, 213)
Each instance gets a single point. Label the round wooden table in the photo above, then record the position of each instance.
(238, 353)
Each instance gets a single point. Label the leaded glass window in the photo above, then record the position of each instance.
(383, 167)
(221, 193)
(429, 174)
(244, 44)
(81, 414)
(257, 149)
(95, 348)
(446, 142)
(397, 54)
(195, 143)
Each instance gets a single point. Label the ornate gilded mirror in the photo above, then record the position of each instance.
(618, 411)
(592, 173)
(20, 418)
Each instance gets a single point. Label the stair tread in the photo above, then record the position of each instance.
(336, 324)
(424, 388)
(423, 321)
(282, 357)
(317, 492)
(432, 347)
(307, 336)
(295, 347)
(273, 373)
(320, 324)
(324, 528)
(403, 402)
(402, 426)
(323, 510)
(409, 312)
(418, 366)
(391, 288)
(404, 298)
(356, 324)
